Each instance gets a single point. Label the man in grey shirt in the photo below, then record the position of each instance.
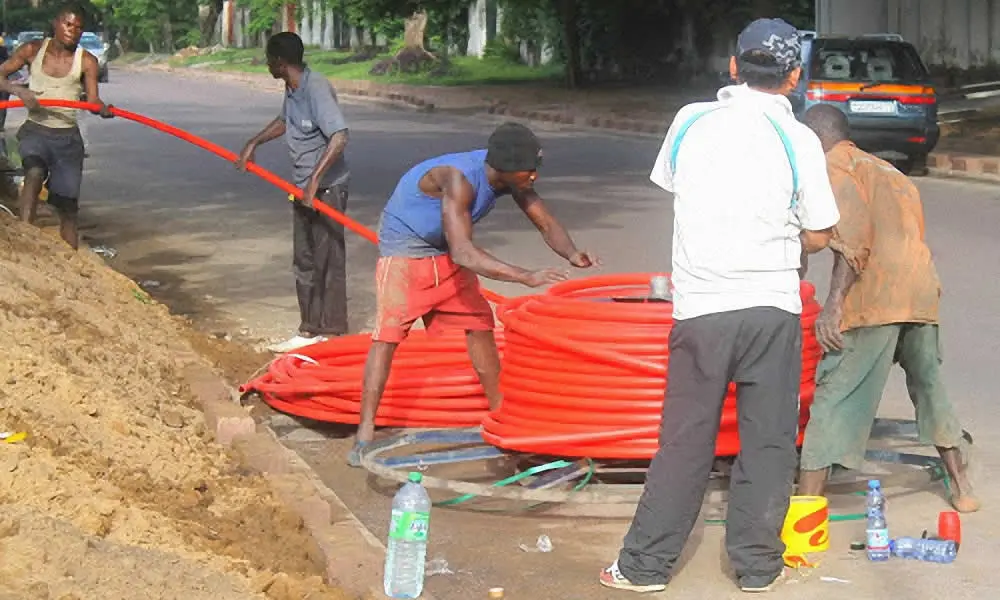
(316, 133)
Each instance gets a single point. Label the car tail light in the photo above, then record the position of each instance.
(820, 95)
(917, 140)
(817, 93)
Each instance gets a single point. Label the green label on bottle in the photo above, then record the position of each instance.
(409, 526)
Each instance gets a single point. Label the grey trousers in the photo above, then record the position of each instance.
(759, 349)
(319, 260)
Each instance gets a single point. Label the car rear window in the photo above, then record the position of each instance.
(865, 60)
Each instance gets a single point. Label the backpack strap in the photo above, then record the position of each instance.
(785, 142)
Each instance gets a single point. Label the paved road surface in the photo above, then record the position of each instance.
(219, 242)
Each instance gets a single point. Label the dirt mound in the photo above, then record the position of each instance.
(117, 491)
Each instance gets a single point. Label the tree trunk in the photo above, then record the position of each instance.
(571, 41)
(416, 27)
(168, 34)
(209, 22)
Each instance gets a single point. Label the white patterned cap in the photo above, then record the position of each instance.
(775, 37)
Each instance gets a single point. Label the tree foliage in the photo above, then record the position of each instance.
(446, 18)
(637, 39)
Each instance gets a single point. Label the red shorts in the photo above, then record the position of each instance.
(444, 294)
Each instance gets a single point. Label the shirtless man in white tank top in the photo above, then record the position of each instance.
(49, 141)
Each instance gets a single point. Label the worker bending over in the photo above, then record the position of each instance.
(49, 141)
(882, 309)
(428, 262)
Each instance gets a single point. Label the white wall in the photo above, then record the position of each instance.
(960, 33)
(851, 17)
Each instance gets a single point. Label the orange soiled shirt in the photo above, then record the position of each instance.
(881, 233)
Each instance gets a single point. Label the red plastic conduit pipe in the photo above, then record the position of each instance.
(562, 344)
(584, 376)
(229, 155)
(432, 383)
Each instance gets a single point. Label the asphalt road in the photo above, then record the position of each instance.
(221, 239)
(218, 241)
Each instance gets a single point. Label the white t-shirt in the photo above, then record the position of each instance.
(736, 217)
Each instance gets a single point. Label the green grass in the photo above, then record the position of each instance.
(465, 70)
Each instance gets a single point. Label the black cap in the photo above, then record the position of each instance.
(513, 147)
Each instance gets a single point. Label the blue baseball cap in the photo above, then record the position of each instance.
(775, 37)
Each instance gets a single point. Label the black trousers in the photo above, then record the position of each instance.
(759, 349)
(320, 266)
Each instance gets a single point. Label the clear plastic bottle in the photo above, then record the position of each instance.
(938, 551)
(877, 529)
(407, 548)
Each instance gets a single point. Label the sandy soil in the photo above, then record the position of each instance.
(117, 492)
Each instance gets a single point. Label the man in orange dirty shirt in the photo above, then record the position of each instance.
(428, 264)
(882, 309)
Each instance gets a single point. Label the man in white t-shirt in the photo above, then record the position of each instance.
(751, 194)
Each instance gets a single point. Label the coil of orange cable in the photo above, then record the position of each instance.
(584, 376)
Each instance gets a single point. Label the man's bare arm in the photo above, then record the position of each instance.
(91, 71)
(456, 214)
(815, 241)
(554, 234)
(21, 57)
(24, 54)
(272, 131)
(841, 280)
(334, 150)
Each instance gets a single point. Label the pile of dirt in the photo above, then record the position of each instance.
(118, 491)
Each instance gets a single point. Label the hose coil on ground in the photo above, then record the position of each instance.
(584, 376)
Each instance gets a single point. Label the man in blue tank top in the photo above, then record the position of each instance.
(428, 263)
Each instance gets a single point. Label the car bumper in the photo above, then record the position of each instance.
(909, 142)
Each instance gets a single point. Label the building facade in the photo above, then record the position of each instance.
(958, 33)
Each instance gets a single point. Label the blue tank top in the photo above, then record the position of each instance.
(411, 222)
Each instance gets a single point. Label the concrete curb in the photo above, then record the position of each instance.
(967, 166)
(353, 555)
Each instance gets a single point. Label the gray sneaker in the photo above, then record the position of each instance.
(354, 456)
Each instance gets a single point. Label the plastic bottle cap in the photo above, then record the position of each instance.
(874, 484)
(416, 477)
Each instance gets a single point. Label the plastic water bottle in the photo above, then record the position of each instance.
(877, 530)
(938, 551)
(407, 549)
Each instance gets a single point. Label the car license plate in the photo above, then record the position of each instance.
(873, 107)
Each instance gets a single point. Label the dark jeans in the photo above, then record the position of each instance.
(320, 266)
(759, 349)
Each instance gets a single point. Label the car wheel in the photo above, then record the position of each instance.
(915, 166)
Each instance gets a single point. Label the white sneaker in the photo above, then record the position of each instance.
(295, 343)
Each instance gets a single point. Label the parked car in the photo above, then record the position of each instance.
(882, 85)
(92, 43)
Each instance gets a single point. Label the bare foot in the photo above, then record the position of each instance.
(965, 503)
(957, 465)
